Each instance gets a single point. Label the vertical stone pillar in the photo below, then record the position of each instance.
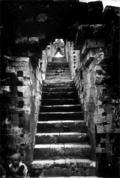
(44, 64)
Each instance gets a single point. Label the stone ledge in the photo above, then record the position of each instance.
(38, 164)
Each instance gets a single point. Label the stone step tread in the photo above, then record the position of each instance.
(57, 75)
(56, 92)
(53, 79)
(62, 105)
(72, 177)
(57, 70)
(67, 161)
(57, 78)
(58, 62)
(60, 108)
(54, 65)
(58, 66)
(65, 64)
(61, 150)
(60, 113)
(60, 88)
(59, 95)
(53, 73)
(61, 121)
(57, 116)
(50, 78)
(61, 134)
(69, 99)
(68, 83)
(50, 67)
(61, 126)
(59, 101)
(61, 145)
(64, 95)
(50, 84)
(62, 137)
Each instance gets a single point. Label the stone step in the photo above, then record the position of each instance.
(60, 108)
(57, 69)
(55, 73)
(62, 137)
(59, 101)
(59, 84)
(64, 167)
(58, 76)
(59, 95)
(58, 89)
(57, 65)
(54, 64)
(51, 86)
(73, 177)
(61, 60)
(61, 126)
(62, 93)
(61, 150)
(60, 116)
(54, 79)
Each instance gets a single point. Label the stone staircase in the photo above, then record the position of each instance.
(62, 144)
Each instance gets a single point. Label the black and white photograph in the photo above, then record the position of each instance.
(59, 88)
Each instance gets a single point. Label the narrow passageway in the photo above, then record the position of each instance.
(62, 144)
(60, 88)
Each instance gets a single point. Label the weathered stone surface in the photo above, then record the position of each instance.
(96, 78)
(62, 108)
(60, 115)
(61, 126)
(66, 167)
(62, 137)
(23, 101)
(57, 151)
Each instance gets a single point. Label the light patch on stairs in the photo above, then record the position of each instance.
(63, 105)
(71, 177)
(61, 121)
(60, 113)
(62, 134)
(60, 145)
(49, 163)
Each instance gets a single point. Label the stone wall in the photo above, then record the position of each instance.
(97, 82)
(72, 56)
(20, 101)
